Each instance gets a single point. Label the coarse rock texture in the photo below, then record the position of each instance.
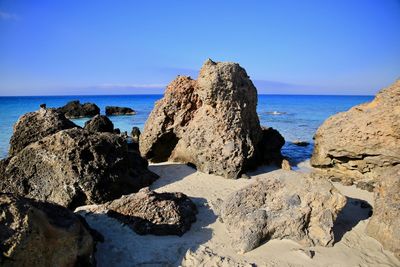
(135, 134)
(208, 244)
(74, 109)
(36, 233)
(360, 143)
(99, 123)
(210, 122)
(75, 167)
(33, 126)
(384, 225)
(206, 257)
(301, 207)
(148, 212)
(112, 110)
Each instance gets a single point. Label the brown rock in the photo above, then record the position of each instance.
(210, 122)
(75, 167)
(113, 110)
(36, 233)
(99, 123)
(286, 165)
(135, 134)
(33, 126)
(384, 224)
(74, 109)
(148, 212)
(363, 141)
(301, 207)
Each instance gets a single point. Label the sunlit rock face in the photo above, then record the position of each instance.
(211, 123)
(292, 205)
(384, 224)
(363, 142)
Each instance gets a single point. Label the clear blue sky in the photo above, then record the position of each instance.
(119, 47)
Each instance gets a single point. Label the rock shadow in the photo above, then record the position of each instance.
(263, 169)
(353, 212)
(170, 173)
(123, 247)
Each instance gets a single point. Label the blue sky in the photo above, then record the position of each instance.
(127, 47)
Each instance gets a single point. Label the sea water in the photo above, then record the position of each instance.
(296, 117)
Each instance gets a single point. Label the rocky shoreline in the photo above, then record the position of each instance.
(66, 190)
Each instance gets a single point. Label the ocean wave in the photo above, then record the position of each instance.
(275, 112)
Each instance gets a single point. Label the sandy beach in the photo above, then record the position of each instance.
(207, 243)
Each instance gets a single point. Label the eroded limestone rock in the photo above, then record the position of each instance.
(33, 126)
(211, 123)
(36, 233)
(75, 167)
(148, 212)
(292, 205)
(384, 224)
(361, 143)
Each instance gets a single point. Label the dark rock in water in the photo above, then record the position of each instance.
(99, 123)
(43, 106)
(385, 221)
(365, 186)
(300, 143)
(113, 110)
(269, 147)
(148, 212)
(75, 167)
(296, 206)
(117, 131)
(74, 109)
(33, 126)
(36, 233)
(363, 142)
(210, 122)
(135, 134)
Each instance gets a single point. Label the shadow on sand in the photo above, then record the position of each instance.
(170, 173)
(263, 169)
(123, 247)
(354, 211)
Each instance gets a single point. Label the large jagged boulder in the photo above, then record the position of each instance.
(75, 167)
(148, 212)
(210, 122)
(36, 233)
(33, 126)
(74, 109)
(99, 123)
(113, 110)
(362, 142)
(301, 207)
(384, 224)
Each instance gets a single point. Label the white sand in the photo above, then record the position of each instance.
(207, 243)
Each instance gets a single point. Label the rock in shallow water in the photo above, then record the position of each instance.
(211, 123)
(301, 207)
(113, 110)
(384, 224)
(99, 123)
(36, 233)
(33, 126)
(148, 212)
(74, 109)
(362, 142)
(75, 167)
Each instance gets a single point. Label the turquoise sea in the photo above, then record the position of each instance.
(296, 117)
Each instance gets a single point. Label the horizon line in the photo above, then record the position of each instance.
(161, 94)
